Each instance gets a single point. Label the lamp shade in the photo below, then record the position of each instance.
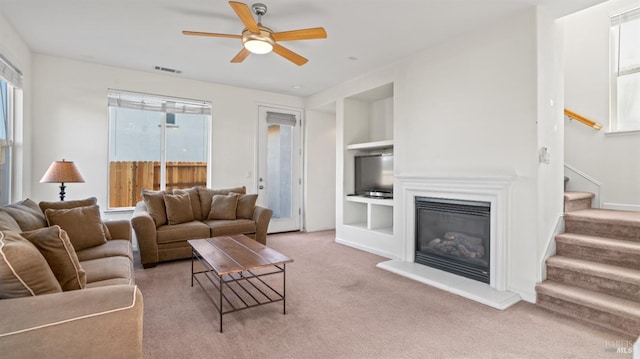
(62, 171)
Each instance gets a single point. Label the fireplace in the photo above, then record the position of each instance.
(454, 235)
(475, 193)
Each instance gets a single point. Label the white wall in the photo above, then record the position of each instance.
(71, 122)
(468, 106)
(381, 123)
(483, 104)
(320, 171)
(611, 159)
(14, 49)
(550, 133)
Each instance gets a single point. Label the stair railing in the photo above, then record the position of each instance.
(574, 116)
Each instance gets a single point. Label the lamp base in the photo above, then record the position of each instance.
(62, 193)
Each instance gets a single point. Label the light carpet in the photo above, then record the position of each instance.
(339, 305)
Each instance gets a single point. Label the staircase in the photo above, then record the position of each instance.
(595, 274)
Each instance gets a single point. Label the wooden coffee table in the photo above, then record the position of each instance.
(236, 266)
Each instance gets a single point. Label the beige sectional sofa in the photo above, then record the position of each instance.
(66, 283)
(164, 220)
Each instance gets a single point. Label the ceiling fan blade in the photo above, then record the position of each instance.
(211, 34)
(244, 13)
(302, 34)
(240, 56)
(289, 55)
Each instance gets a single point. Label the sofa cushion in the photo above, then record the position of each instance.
(44, 205)
(23, 270)
(206, 196)
(246, 205)
(101, 269)
(73, 204)
(27, 214)
(182, 232)
(227, 227)
(7, 222)
(223, 206)
(54, 244)
(82, 224)
(178, 208)
(154, 200)
(196, 208)
(113, 248)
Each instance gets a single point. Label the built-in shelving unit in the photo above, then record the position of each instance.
(379, 214)
(365, 126)
(375, 145)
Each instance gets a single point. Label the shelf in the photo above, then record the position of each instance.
(371, 145)
(378, 201)
(363, 226)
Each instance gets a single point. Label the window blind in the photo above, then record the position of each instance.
(10, 73)
(626, 27)
(276, 118)
(147, 102)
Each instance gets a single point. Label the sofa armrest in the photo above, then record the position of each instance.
(262, 216)
(119, 229)
(74, 324)
(145, 230)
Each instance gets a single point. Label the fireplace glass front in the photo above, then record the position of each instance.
(454, 236)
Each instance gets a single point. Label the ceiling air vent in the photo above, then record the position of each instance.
(166, 69)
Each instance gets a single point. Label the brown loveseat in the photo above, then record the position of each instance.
(66, 283)
(164, 220)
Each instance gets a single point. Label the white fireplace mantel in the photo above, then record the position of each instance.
(492, 189)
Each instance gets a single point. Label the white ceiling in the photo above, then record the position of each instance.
(363, 35)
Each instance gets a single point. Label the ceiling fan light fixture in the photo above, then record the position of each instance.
(258, 39)
(258, 46)
(261, 43)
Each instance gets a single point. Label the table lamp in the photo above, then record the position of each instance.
(62, 171)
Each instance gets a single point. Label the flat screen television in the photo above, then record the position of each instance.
(374, 175)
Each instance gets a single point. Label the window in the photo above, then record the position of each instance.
(10, 82)
(155, 143)
(625, 74)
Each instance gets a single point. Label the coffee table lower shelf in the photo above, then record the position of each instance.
(240, 290)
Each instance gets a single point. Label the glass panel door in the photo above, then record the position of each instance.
(279, 168)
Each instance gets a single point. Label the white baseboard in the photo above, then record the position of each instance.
(319, 229)
(526, 295)
(622, 206)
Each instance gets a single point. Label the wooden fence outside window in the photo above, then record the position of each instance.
(128, 178)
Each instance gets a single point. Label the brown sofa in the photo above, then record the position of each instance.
(95, 310)
(164, 220)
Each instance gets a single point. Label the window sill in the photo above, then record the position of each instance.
(626, 132)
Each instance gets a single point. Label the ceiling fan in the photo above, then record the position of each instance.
(259, 39)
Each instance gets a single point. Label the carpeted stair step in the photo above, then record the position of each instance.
(621, 315)
(603, 278)
(605, 223)
(597, 249)
(575, 201)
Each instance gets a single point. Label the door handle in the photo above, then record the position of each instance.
(260, 187)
